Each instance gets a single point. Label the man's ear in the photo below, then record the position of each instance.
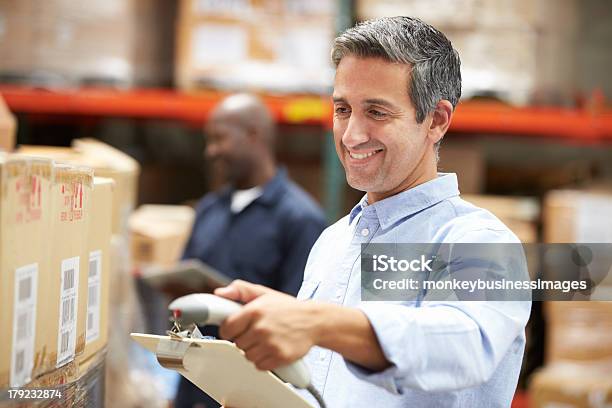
(440, 121)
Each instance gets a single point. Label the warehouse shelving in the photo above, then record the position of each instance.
(150, 103)
(471, 117)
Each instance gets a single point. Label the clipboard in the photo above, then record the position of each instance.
(190, 273)
(220, 369)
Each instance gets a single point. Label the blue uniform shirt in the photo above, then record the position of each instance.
(443, 354)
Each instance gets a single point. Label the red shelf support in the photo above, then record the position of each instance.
(470, 117)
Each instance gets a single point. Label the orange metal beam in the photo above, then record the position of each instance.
(470, 117)
(150, 103)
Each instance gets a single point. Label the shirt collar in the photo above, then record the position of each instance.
(401, 205)
(274, 188)
(271, 190)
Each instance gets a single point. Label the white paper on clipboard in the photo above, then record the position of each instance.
(220, 369)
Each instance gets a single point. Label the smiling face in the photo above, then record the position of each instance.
(383, 149)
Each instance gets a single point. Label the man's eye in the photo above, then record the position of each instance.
(342, 110)
(376, 114)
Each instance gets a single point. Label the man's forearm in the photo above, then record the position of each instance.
(348, 332)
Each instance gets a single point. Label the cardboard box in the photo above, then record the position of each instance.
(40, 41)
(159, 234)
(99, 268)
(8, 127)
(519, 50)
(107, 162)
(67, 291)
(520, 214)
(578, 331)
(468, 161)
(25, 219)
(582, 216)
(572, 386)
(272, 45)
(577, 216)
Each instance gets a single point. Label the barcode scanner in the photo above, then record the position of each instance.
(206, 309)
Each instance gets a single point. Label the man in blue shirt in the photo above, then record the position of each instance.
(262, 226)
(397, 83)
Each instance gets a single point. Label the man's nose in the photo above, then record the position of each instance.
(356, 132)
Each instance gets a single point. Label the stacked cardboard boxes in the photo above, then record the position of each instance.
(516, 50)
(54, 283)
(579, 341)
(571, 385)
(122, 42)
(107, 162)
(25, 218)
(260, 45)
(99, 267)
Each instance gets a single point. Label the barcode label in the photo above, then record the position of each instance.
(25, 289)
(68, 279)
(93, 267)
(20, 361)
(67, 325)
(24, 324)
(68, 312)
(92, 299)
(64, 342)
(93, 296)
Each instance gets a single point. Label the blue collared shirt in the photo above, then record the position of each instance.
(443, 354)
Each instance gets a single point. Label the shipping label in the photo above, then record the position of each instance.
(24, 324)
(69, 291)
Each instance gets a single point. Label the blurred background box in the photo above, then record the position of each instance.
(516, 50)
(8, 127)
(579, 331)
(572, 385)
(25, 219)
(468, 161)
(63, 42)
(578, 215)
(260, 45)
(99, 261)
(520, 214)
(106, 161)
(158, 234)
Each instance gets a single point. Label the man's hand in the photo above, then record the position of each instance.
(273, 329)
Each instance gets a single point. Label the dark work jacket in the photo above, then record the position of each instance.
(268, 243)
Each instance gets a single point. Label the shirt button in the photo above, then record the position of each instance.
(322, 355)
(365, 232)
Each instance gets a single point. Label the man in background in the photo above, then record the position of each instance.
(261, 226)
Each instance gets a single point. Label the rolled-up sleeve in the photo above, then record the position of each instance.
(442, 346)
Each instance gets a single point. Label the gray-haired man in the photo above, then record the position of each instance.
(397, 83)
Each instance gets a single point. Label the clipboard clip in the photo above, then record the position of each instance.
(171, 352)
